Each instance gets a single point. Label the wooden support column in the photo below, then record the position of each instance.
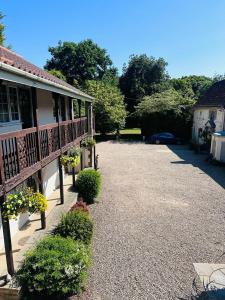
(81, 158)
(56, 97)
(95, 164)
(5, 224)
(43, 218)
(7, 242)
(36, 124)
(71, 118)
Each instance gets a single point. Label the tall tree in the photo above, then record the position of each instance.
(108, 106)
(192, 86)
(166, 111)
(80, 62)
(141, 77)
(2, 30)
(58, 74)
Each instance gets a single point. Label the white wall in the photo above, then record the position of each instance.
(201, 117)
(50, 177)
(45, 107)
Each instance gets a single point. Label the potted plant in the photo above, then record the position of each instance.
(72, 158)
(87, 144)
(24, 201)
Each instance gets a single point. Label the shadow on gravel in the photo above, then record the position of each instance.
(187, 156)
(207, 295)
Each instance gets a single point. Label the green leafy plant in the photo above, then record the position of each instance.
(89, 185)
(72, 159)
(56, 268)
(88, 143)
(24, 201)
(76, 224)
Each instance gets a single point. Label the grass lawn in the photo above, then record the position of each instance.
(130, 131)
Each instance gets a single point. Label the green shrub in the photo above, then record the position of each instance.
(89, 185)
(56, 268)
(77, 225)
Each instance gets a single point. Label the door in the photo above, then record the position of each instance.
(25, 108)
(62, 108)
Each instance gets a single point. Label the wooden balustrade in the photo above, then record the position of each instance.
(19, 149)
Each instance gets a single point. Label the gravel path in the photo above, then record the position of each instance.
(161, 209)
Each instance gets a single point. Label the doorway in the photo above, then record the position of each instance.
(25, 108)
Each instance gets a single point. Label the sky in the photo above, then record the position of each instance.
(188, 34)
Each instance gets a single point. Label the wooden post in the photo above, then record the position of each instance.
(95, 165)
(43, 217)
(5, 223)
(36, 124)
(81, 158)
(74, 177)
(71, 118)
(56, 97)
(61, 181)
(7, 242)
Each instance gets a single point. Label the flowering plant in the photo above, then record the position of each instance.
(72, 159)
(24, 201)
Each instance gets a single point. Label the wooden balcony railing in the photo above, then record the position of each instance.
(24, 152)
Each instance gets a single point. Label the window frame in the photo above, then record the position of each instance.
(11, 121)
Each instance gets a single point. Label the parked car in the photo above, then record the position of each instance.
(164, 138)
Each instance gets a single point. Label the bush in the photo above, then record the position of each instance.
(77, 225)
(80, 205)
(56, 268)
(89, 184)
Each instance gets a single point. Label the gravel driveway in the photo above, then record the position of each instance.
(161, 209)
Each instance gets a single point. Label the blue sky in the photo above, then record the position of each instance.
(189, 34)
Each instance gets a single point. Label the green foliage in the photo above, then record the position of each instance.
(24, 201)
(166, 111)
(2, 30)
(88, 142)
(56, 268)
(192, 86)
(72, 159)
(57, 73)
(108, 106)
(141, 77)
(89, 185)
(69, 161)
(77, 225)
(162, 102)
(80, 62)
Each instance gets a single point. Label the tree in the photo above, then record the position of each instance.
(192, 86)
(141, 77)
(166, 111)
(108, 106)
(80, 62)
(2, 29)
(58, 74)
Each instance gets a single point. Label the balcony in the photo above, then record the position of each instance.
(24, 152)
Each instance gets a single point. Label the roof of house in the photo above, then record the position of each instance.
(16, 61)
(215, 96)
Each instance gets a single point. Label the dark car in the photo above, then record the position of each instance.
(164, 138)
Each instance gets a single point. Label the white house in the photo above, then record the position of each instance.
(209, 113)
(41, 116)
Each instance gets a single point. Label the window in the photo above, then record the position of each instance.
(9, 108)
(13, 104)
(82, 109)
(4, 108)
(75, 109)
